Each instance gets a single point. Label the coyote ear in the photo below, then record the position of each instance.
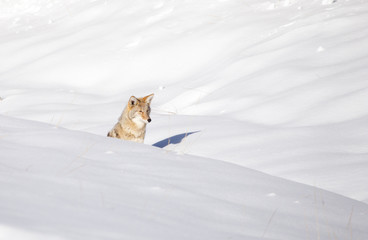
(133, 101)
(148, 99)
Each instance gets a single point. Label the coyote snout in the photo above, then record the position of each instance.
(132, 122)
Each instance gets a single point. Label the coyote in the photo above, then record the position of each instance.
(132, 122)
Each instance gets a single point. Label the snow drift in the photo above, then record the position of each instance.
(277, 87)
(63, 184)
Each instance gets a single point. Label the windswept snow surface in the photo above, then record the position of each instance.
(62, 184)
(259, 108)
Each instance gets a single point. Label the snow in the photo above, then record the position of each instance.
(258, 126)
(63, 184)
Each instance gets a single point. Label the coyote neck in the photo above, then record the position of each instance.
(129, 129)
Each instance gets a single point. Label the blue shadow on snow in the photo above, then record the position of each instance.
(173, 140)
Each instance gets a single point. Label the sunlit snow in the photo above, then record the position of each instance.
(259, 120)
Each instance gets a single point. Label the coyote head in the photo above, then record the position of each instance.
(139, 109)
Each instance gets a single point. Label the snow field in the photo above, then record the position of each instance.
(277, 87)
(71, 185)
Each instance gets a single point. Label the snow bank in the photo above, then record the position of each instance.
(62, 184)
(275, 86)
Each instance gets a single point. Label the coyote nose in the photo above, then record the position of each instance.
(149, 120)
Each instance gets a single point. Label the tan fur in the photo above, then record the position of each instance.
(132, 122)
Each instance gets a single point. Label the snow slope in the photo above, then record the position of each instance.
(275, 86)
(62, 184)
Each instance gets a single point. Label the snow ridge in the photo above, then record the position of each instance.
(259, 119)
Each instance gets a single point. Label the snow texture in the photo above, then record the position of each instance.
(259, 119)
